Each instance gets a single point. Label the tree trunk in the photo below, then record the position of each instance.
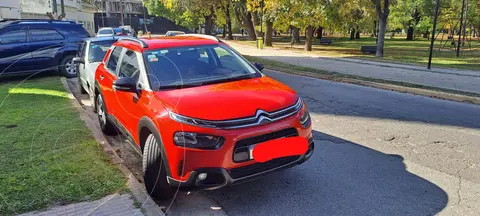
(209, 22)
(382, 25)
(296, 34)
(374, 33)
(352, 34)
(319, 32)
(357, 35)
(410, 32)
(224, 30)
(426, 35)
(268, 32)
(228, 20)
(248, 24)
(308, 38)
(256, 22)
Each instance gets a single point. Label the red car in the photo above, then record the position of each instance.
(203, 116)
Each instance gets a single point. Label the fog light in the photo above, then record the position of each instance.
(202, 176)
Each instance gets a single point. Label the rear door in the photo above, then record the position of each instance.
(106, 76)
(15, 55)
(45, 43)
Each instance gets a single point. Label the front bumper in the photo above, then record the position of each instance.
(220, 177)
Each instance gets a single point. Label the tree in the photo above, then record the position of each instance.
(383, 10)
(244, 17)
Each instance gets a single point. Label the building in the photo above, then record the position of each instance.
(81, 11)
(9, 9)
(113, 8)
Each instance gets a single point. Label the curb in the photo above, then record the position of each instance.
(137, 189)
(391, 87)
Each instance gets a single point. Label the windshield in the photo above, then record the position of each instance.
(193, 66)
(105, 31)
(98, 50)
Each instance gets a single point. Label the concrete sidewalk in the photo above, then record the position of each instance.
(115, 204)
(460, 80)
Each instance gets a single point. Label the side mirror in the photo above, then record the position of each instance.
(126, 84)
(78, 60)
(259, 66)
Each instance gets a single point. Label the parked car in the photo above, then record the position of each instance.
(130, 31)
(173, 33)
(202, 115)
(105, 32)
(34, 46)
(90, 54)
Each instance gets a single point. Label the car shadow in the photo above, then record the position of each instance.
(341, 178)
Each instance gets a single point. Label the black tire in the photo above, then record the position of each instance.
(154, 173)
(67, 67)
(105, 124)
(80, 86)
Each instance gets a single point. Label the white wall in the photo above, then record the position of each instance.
(9, 9)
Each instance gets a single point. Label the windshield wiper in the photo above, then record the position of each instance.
(179, 86)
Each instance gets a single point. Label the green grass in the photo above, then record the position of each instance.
(397, 50)
(47, 155)
(334, 76)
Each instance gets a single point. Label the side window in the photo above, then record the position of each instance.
(45, 34)
(15, 36)
(129, 66)
(113, 60)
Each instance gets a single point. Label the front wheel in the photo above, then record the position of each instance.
(154, 173)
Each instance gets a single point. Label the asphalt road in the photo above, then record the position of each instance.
(377, 153)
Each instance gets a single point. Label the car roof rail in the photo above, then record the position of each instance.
(19, 21)
(141, 42)
(210, 37)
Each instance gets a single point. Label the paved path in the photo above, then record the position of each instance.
(115, 204)
(377, 153)
(462, 80)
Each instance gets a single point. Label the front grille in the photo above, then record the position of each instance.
(240, 172)
(241, 150)
(261, 117)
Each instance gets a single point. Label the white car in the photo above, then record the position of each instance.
(89, 56)
(105, 32)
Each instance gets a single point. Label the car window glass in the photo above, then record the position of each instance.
(45, 34)
(129, 66)
(227, 60)
(97, 50)
(113, 60)
(15, 36)
(84, 49)
(105, 31)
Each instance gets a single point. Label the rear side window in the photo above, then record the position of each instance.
(45, 35)
(113, 60)
(15, 36)
(129, 66)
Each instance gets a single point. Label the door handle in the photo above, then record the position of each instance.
(102, 77)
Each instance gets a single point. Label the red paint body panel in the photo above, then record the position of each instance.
(222, 101)
(229, 100)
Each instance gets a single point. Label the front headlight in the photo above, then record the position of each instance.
(305, 119)
(195, 140)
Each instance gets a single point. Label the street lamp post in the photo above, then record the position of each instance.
(433, 35)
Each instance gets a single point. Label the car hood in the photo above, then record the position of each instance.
(229, 100)
(92, 67)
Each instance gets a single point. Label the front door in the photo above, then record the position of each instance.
(106, 76)
(129, 106)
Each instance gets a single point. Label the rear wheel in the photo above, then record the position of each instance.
(67, 67)
(154, 173)
(105, 124)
